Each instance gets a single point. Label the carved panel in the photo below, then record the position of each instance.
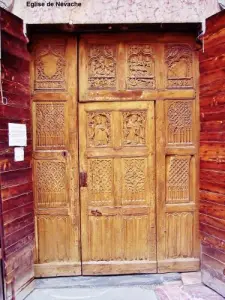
(178, 169)
(134, 128)
(179, 66)
(105, 238)
(179, 235)
(50, 66)
(99, 129)
(50, 184)
(134, 180)
(102, 67)
(100, 181)
(137, 242)
(140, 67)
(50, 125)
(58, 232)
(179, 120)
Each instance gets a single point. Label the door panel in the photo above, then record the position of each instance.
(55, 155)
(117, 151)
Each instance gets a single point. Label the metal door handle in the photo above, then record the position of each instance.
(96, 213)
(83, 179)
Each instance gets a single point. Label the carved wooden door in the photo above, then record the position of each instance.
(56, 191)
(117, 152)
(117, 204)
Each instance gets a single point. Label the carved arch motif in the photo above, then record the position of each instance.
(141, 67)
(102, 67)
(179, 62)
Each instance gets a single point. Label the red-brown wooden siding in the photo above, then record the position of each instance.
(16, 177)
(212, 153)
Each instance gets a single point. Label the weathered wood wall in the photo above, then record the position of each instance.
(16, 177)
(212, 153)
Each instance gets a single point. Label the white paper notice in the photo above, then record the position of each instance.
(18, 154)
(17, 134)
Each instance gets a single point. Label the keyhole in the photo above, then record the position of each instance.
(64, 153)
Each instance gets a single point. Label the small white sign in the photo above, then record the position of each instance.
(18, 154)
(17, 134)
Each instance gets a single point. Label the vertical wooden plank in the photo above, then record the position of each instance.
(160, 179)
(16, 193)
(212, 156)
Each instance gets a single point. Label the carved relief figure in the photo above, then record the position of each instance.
(134, 128)
(50, 67)
(50, 120)
(179, 64)
(102, 67)
(178, 180)
(180, 122)
(141, 67)
(99, 129)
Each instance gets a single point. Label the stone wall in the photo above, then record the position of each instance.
(116, 11)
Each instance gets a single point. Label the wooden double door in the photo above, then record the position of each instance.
(115, 164)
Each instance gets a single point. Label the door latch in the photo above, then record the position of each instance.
(83, 179)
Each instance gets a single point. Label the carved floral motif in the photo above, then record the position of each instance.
(102, 67)
(134, 124)
(50, 120)
(135, 175)
(101, 175)
(179, 64)
(141, 67)
(99, 129)
(179, 122)
(50, 67)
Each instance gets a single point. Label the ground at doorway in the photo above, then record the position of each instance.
(186, 286)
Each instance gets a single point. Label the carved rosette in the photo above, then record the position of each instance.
(102, 67)
(179, 66)
(50, 129)
(178, 180)
(134, 128)
(51, 184)
(50, 67)
(99, 129)
(179, 116)
(140, 67)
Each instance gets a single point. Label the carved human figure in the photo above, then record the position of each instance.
(101, 132)
(134, 130)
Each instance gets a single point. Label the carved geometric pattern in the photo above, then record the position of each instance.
(50, 66)
(134, 132)
(101, 175)
(135, 175)
(179, 116)
(102, 67)
(50, 122)
(179, 63)
(99, 129)
(50, 184)
(178, 179)
(141, 67)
